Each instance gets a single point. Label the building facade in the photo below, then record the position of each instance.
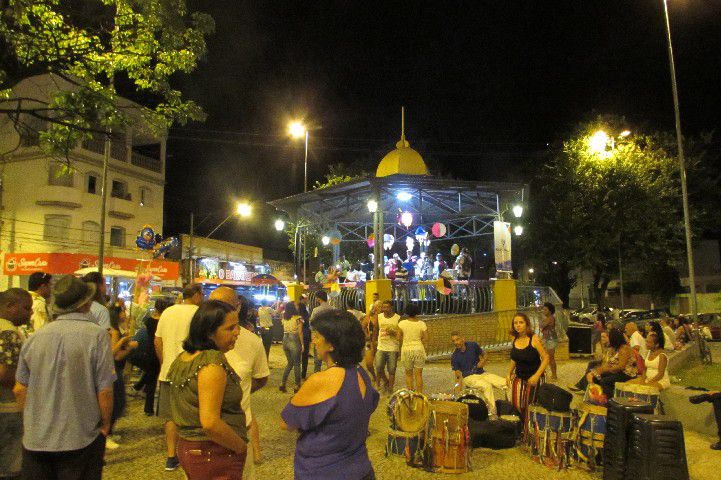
(50, 207)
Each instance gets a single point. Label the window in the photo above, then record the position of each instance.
(117, 236)
(56, 227)
(91, 233)
(145, 197)
(119, 189)
(60, 175)
(93, 183)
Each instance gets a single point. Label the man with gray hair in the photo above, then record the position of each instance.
(15, 310)
(64, 381)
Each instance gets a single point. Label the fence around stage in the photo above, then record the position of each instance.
(467, 309)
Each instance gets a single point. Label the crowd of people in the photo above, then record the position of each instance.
(412, 267)
(63, 351)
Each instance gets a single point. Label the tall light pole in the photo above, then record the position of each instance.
(682, 170)
(298, 130)
(242, 209)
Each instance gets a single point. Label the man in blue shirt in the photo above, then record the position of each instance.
(64, 382)
(467, 362)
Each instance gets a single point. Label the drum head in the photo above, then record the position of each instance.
(477, 408)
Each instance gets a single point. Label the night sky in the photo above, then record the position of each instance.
(486, 86)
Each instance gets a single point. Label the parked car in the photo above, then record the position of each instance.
(642, 317)
(587, 315)
(710, 320)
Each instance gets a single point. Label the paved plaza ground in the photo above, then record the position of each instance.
(142, 453)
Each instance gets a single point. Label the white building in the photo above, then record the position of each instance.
(50, 216)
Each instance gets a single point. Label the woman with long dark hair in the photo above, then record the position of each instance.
(619, 364)
(333, 407)
(292, 344)
(656, 374)
(205, 397)
(122, 344)
(528, 363)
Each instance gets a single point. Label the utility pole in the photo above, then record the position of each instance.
(104, 198)
(190, 250)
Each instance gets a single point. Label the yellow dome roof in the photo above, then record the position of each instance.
(403, 160)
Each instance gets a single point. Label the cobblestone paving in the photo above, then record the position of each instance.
(142, 451)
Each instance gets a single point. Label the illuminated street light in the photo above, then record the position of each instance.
(518, 230)
(530, 270)
(279, 224)
(406, 219)
(296, 129)
(372, 206)
(518, 211)
(625, 133)
(404, 196)
(325, 240)
(244, 209)
(598, 142)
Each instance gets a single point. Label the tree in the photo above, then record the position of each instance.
(98, 47)
(604, 195)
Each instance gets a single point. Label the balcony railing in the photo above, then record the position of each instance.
(149, 163)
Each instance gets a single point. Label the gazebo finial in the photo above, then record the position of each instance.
(403, 142)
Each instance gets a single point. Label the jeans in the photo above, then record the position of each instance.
(384, 358)
(583, 383)
(304, 356)
(83, 464)
(266, 334)
(208, 460)
(291, 348)
(11, 443)
(607, 382)
(148, 382)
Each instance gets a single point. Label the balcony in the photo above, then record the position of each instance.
(121, 208)
(144, 161)
(59, 196)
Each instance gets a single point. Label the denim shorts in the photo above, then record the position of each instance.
(384, 358)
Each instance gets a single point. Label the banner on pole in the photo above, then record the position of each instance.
(502, 243)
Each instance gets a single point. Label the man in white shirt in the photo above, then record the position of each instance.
(173, 328)
(635, 339)
(388, 345)
(39, 288)
(265, 319)
(250, 363)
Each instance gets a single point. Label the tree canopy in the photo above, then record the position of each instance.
(98, 46)
(611, 190)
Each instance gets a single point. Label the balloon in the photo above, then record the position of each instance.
(162, 248)
(409, 243)
(334, 237)
(422, 233)
(146, 238)
(438, 230)
(371, 241)
(388, 240)
(455, 249)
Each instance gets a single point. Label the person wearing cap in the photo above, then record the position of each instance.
(39, 288)
(64, 382)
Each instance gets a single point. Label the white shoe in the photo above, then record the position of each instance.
(111, 444)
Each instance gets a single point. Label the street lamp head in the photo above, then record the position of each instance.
(279, 224)
(598, 142)
(518, 211)
(530, 270)
(372, 206)
(518, 230)
(296, 129)
(325, 240)
(244, 209)
(625, 133)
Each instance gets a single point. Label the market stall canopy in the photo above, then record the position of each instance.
(264, 279)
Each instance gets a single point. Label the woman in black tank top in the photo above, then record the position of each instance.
(528, 362)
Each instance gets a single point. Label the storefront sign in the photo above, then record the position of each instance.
(66, 263)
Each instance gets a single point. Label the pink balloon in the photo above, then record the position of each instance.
(438, 230)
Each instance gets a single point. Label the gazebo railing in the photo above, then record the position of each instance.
(465, 297)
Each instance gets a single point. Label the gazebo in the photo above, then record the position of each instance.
(402, 185)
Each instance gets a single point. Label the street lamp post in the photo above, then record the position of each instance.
(241, 209)
(298, 130)
(682, 169)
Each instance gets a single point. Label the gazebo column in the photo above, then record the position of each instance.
(379, 285)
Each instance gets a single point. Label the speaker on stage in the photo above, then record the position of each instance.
(580, 340)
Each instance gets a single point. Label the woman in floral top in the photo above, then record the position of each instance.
(205, 397)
